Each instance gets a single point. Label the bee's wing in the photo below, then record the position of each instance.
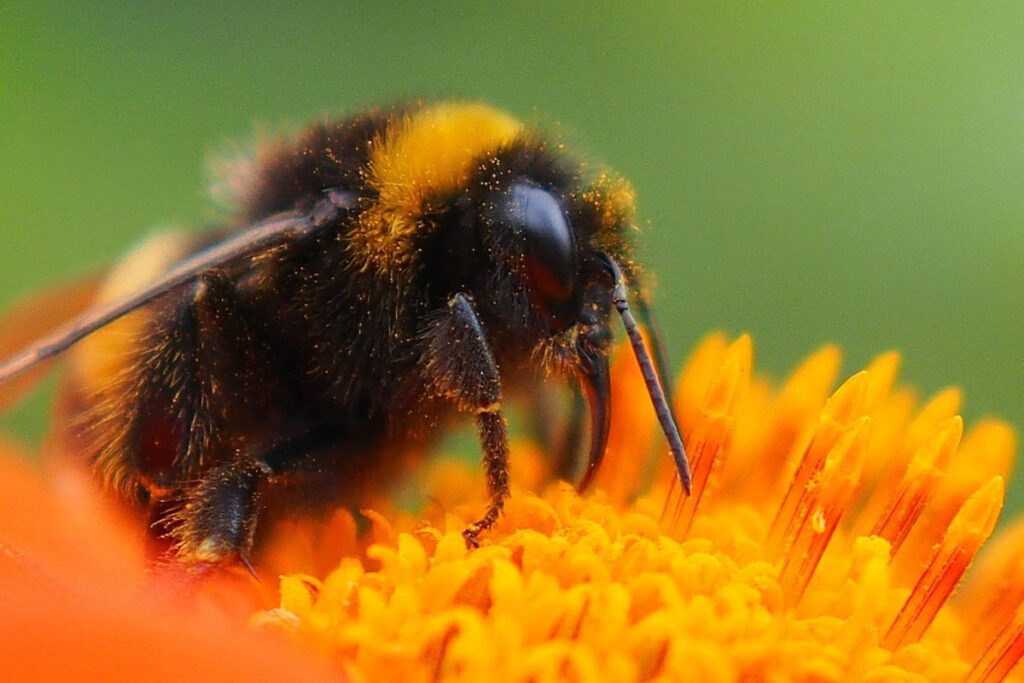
(248, 243)
(34, 316)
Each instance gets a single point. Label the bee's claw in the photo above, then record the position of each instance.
(472, 542)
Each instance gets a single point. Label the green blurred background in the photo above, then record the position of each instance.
(808, 172)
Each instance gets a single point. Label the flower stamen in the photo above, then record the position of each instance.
(966, 533)
(844, 407)
(822, 506)
(918, 484)
(1002, 654)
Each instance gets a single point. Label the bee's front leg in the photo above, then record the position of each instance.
(459, 365)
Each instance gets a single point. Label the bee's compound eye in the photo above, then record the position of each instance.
(551, 261)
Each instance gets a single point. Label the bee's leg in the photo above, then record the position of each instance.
(458, 364)
(207, 353)
(217, 519)
(493, 437)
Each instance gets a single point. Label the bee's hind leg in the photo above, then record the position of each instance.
(215, 521)
(208, 348)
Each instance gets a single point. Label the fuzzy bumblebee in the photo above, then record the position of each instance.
(382, 273)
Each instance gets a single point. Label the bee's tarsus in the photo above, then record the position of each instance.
(494, 438)
(469, 534)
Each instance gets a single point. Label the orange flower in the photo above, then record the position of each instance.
(824, 539)
(75, 603)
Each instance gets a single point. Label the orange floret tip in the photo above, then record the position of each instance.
(717, 407)
(966, 533)
(829, 536)
(844, 407)
(917, 486)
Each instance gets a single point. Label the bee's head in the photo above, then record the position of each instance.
(524, 239)
(547, 274)
(541, 251)
(540, 256)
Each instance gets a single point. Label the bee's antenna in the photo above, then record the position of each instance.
(657, 340)
(274, 231)
(654, 386)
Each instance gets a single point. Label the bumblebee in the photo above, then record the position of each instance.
(382, 272)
